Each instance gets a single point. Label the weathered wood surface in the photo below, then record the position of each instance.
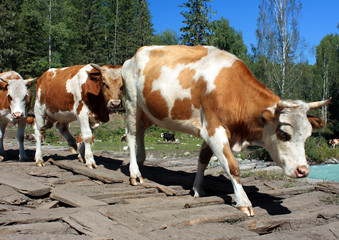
(22, 184)
(100, 203)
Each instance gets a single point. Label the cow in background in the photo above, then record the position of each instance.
(14, 104)
(334, 142)
(85, 93)
(211, 94)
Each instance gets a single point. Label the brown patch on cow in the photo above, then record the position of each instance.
(160, 57)
(182, 109)
(4, 104)
(233, 165)
(53, 89)
(238, 113)
(186, 78)
(316, 122)
(79, 108)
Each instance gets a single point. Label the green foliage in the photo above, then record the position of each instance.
(227, 38)
(167, 37)
(317, 150)
(50, 137)
(197, 25)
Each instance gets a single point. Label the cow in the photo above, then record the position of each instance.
(211, 94)
(85, 93)
(333, 142)
(168, 137)
(15, 101)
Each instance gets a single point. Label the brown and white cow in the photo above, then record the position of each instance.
(85, 93)
(14, 104)
(334, 142)
(211, 94)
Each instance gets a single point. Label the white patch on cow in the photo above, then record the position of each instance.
(240, 146)
(17, 90)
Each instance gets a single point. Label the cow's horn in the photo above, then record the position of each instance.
(319, 104)
(284, 104)
(96, 66)
(29, 80)
(4, 80)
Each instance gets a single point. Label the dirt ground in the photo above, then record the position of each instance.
(65, 200)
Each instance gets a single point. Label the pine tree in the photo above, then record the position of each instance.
(9, 34)
(197, 25)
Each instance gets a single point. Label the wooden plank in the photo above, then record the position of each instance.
(121, 193)
(100, 173)
(101, 227)
(28, 216)
(23, 184)
(74, 199)
(10, 196)
(167, 190)
(49, 205)
(34, 228)
(332, 187)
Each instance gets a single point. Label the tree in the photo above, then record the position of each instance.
(9, 34)
(197, 24)
(227, 38)
(167, 37)
(143, 26)
(327, 65)
(279, 42)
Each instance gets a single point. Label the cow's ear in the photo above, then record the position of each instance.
(94, 82)
(3, 83)
(267, 116)
(316, 122)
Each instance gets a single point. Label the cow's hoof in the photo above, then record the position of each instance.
(134, 181)
(81, 159)
(40, 164)
(2, 158)
(247, 210)
(91, 165)
(72, 150)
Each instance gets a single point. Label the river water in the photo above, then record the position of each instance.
(325, 172)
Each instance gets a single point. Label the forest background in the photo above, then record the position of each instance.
(36, 35)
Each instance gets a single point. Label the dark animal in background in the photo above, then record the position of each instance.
(123, 138)
(168, 136)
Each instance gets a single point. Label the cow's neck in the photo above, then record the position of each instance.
(246, 125)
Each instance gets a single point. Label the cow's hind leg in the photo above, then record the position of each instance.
(63, 129)
(144, 123)
(204, 158)
(2, 133)
(20, 136)
(133, 118)
(221, 148)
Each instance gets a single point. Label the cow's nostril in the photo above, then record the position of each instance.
(302, 171)
(18, 115)
(115, 103)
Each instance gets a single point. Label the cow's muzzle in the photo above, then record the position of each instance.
(114, 103)
(18, 115)
(301, 171)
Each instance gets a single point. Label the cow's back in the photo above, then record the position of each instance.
(54, 88)
(176, 84)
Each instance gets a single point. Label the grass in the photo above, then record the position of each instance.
(264, 175)
(332, 199)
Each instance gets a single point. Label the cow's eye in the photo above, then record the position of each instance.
(283, 136)
(9, 98)
(104, 84)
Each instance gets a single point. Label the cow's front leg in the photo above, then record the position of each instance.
(86, 134)
(218, 142)
(2, 133)
(204, 158)
(20, 136)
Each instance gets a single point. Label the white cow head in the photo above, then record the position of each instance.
(286, 130)
(18, 95)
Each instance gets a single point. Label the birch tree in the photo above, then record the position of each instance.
(279, 42)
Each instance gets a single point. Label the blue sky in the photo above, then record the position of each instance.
(318, 18)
